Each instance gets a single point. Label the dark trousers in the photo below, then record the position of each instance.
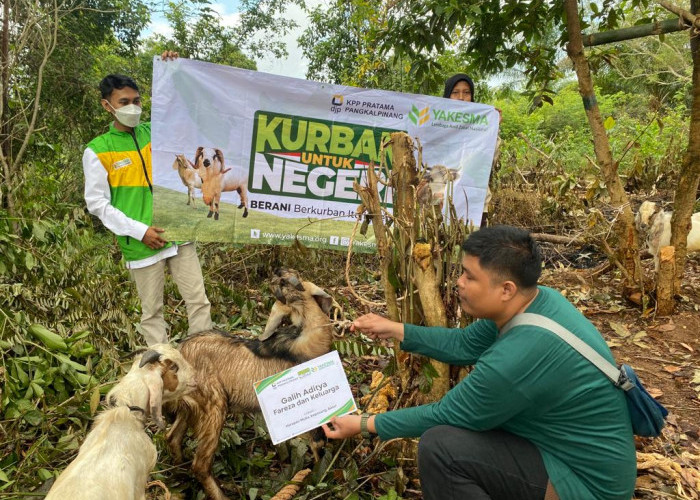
(460, 464)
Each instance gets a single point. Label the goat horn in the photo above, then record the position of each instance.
(149, 357)
(280, 296)
(292, 280)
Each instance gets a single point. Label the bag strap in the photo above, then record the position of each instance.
(616, 375)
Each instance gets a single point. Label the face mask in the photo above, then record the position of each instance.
(128, 115)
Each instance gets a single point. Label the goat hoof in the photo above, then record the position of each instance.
(210, 213)
(241, 205)
(216, 216)
(245, 213)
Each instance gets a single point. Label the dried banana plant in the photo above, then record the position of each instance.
(418, 245)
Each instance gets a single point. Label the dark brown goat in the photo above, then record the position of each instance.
(226, 367)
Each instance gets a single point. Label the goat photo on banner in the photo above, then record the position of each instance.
(272, 158)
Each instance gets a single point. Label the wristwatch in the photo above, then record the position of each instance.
(364, 431)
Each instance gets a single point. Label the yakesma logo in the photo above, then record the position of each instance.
(255, 233)
(419, 116)
(337, 100)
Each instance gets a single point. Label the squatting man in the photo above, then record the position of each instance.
(534, 419)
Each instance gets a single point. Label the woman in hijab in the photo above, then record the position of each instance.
(461, 87)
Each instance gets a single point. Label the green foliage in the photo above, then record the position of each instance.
(497, 36)
(199, 34)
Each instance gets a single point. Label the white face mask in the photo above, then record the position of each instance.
(128, 115)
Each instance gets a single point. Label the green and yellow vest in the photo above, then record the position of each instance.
(127, 159)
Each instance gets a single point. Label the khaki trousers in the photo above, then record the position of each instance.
(187, 274)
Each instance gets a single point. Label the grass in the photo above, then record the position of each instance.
(184, 223)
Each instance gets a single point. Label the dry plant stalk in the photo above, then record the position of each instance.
(415, 252)
(381, 392)
(290, 490)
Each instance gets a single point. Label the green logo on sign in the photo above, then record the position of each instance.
(419, 116)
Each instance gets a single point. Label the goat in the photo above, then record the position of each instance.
(657, 226)
(188, 175)
(117, 455)
(432, 186)
(227, 366)
(162, 374)
(211, 167)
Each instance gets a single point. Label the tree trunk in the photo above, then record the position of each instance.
(6, 200)
(664, 289)
(690, 172)
(433, 309)
(627, 245)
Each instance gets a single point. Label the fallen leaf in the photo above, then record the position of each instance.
(619, 329)
(687, 347)
(672, 369)
(640, 334)
(641, 344)
(655, 393)
(644, 481)
(668, 327)
(696, 377)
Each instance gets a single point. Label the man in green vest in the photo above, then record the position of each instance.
(119, 191)
(534, 419)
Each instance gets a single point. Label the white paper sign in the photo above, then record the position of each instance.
(305, 396)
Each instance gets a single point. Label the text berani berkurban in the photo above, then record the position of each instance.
(312, 158)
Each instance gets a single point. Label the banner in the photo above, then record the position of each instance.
(247, 157)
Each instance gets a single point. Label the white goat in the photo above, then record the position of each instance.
(657, 227)
(188, 175)
(211, 167)
(114, 461)
(117, 455)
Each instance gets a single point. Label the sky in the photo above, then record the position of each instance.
(294, 65)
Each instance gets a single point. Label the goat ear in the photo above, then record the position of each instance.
(149, 356)
(277, 314)
(190, 162)
(455, 173)
(154, 382)
(323, 300)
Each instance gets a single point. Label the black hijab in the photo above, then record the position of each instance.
(453, 80)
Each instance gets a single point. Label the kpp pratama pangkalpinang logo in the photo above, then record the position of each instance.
(419, 116)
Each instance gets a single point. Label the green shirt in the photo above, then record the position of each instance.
(533, 384)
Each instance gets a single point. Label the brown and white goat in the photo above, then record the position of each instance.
(211, 167)
(117, 455)
(432, 186)
(188, 175)
(226, 367)
(655, 224)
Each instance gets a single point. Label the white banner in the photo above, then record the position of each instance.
(286, 151)
(302, 398)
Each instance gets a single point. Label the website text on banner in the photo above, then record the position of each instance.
(271, 158)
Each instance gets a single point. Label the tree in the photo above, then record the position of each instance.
(507, 34)
(340, 45)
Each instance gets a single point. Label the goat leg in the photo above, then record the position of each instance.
(207, 432)
(176, 434)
